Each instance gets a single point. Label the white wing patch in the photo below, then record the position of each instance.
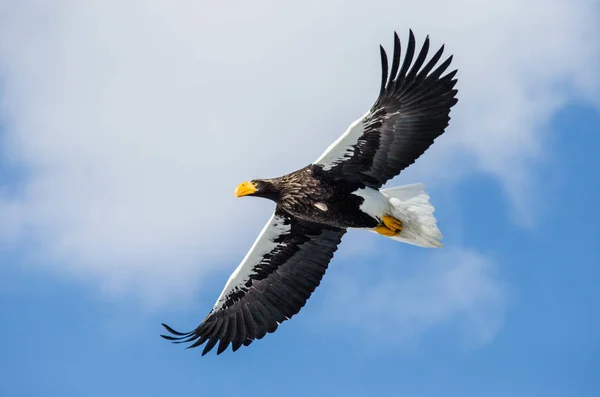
(321, 206)
(264, 243)
(343, 147)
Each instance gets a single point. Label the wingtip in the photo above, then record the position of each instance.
(172, 331)
(396, 43)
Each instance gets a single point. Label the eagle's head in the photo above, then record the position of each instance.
(259, 188)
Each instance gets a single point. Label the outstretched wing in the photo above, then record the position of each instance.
(412, 110)
(273, 282)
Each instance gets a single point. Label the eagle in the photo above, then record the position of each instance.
(315, 205)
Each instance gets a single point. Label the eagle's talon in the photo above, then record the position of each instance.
(392, 223)
(386, 231)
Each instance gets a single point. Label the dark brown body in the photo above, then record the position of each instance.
(299, 192)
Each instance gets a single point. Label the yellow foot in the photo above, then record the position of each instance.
(383, 229)
(390, 226)
(392, 223)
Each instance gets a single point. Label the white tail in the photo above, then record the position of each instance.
(410, 205)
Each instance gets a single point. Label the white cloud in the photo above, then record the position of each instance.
(456, 289)
(135, 120)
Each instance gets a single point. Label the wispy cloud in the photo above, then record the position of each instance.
(134, 121)
(457, 290)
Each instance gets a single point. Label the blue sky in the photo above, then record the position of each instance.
(107, 228)
(61, 339)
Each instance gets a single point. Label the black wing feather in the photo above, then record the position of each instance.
(384, 70)
(395, 60)
(410, 52)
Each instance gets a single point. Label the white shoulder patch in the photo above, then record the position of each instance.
(321, 206)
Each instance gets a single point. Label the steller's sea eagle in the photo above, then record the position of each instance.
(340, 190)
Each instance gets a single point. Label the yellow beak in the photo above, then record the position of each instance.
(244, 189)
